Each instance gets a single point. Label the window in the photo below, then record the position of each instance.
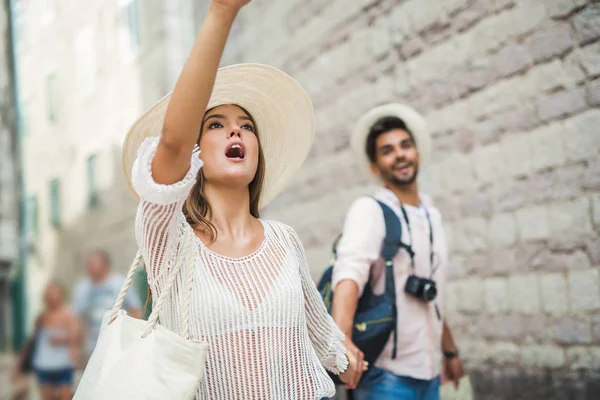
(130, 28)
(18, 15)
(22, 119)
(133, 24)
(30, 220)
(55, 203)
(51, 97)
(85, 50)
(91, 178)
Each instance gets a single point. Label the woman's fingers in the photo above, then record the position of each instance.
(360, 359)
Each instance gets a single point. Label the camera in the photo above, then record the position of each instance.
(422, 288)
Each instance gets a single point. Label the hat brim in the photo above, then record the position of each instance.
(414, 122)
(280, 107)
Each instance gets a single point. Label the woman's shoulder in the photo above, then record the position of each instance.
(41, 320)
(183, 224)
(278, 228)
(148, 189)
(283, 233)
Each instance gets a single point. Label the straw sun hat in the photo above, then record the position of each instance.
(414, 122)
(280, 107)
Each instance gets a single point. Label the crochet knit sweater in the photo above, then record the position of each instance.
(268, 331)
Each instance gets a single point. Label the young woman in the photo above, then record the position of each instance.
(56, 346)
(253, 300)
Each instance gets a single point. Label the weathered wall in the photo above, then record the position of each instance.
(510, 90)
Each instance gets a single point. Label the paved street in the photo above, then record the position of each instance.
(6, 384)
(4, 377)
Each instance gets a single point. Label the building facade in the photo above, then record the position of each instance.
(9, 193)
(10, 267)
(510, 89)
(86, 72)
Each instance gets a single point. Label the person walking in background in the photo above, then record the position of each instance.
(53, 351)
(95, 294)
(390, 144)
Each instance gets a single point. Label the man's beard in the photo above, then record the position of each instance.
(389, 176)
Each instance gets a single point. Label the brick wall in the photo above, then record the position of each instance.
(510, 89)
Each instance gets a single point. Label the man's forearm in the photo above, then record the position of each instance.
(345, 300)
(448, 344)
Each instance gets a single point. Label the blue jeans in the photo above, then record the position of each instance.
(378, 384)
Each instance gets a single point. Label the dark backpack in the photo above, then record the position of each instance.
(376, 315)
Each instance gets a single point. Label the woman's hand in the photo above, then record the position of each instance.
(234, 5)
(185, 112)
(356, 366)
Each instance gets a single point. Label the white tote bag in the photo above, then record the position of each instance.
(136, 359)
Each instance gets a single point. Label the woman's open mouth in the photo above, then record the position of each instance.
(236, 151)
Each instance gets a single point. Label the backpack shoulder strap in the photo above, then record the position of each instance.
(393, 232)
(391, 245)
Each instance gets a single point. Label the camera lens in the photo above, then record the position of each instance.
(429, 291)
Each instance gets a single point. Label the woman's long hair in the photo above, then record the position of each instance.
(196, 208)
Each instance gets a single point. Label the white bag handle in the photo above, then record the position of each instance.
(153, 319)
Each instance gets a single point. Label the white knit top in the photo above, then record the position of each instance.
(268, 331)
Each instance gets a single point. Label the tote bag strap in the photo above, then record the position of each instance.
(126, 285)
(187, 250)
(187, 288)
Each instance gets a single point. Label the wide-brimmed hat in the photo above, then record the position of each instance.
(280, 107)
(414, 122)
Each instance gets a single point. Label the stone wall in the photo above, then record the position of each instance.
(511, 92)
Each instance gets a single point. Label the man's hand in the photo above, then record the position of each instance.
(356, 365)
(454, 369)
(453, 366)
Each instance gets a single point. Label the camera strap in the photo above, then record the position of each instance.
(408, 247)
(411, 253)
